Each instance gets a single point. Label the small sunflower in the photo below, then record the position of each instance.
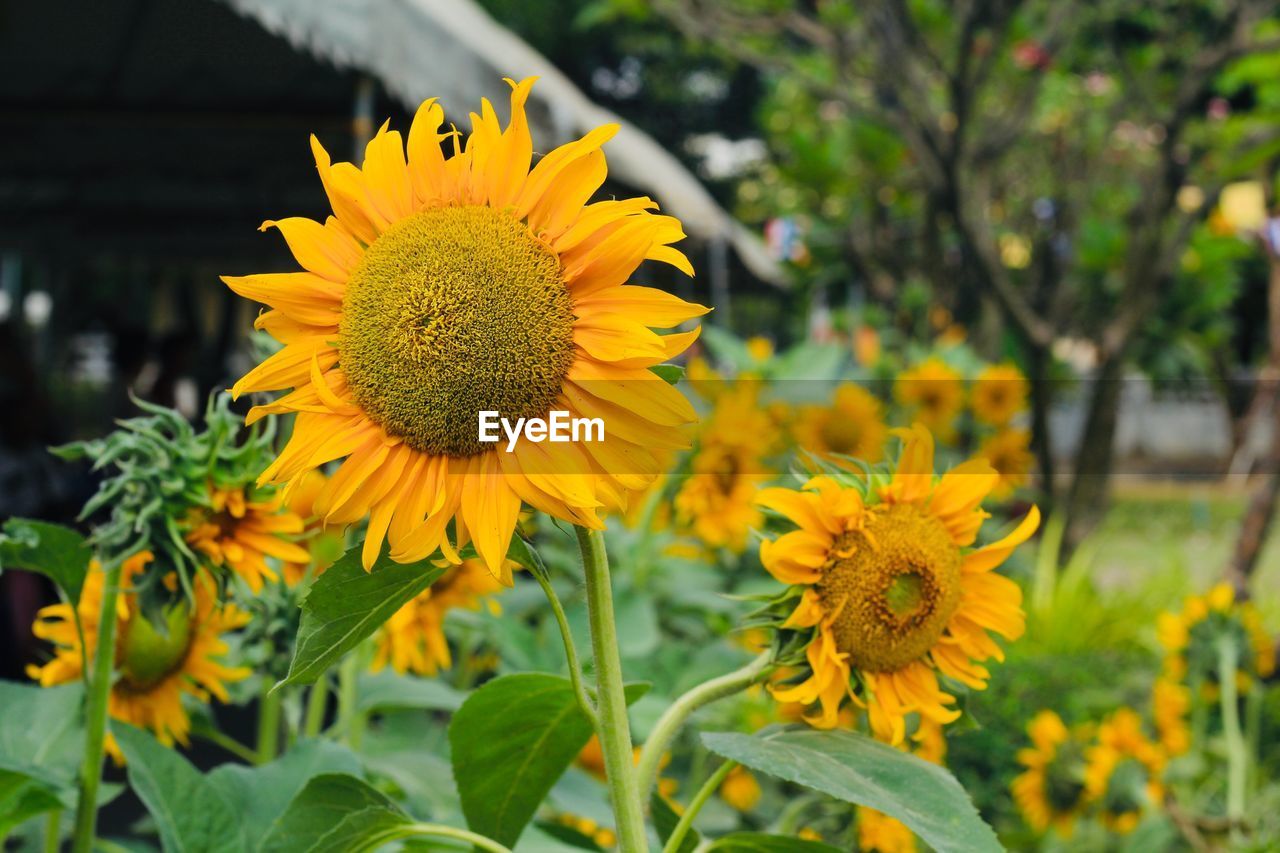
(891, 589)
(155, 666)
(1122, 771)
(1051, 791)
(1170, 702)
(1190, 637)
(1009, 453)
(853, 425)
(933, 394)
(999, 394)
(413, 639)
(240, 534)
(444, 286)
(740, 790)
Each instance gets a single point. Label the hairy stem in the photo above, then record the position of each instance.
(613, 728)
(570, 651)
(669, 724)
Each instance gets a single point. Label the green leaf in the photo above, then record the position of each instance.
(523, 553)
(41, 731)
(755, 842)
(347, 604)
(57, 552)
(22, 797)
(665, 820)
(510, 741)
(336, 812)
(190, 813)
(858, 769)
(258, 795)
(669, 373)
(388, 691)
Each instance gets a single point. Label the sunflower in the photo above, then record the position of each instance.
(240, 533)
(1122, 771)
(1190, 637)
(156, 666)
(413, 639)
(891, 590)
(1009, 453)
(853, 425)
(740, 790)
(933, 394)
(1170, 702)
(1050, 792)
(999, 394)
(446, 286)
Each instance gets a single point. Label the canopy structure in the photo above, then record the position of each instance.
(454, 50)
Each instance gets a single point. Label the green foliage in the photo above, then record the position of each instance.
(387, 690)
(191, 814)
(510, 741)
(665, 820)
(753, 842)
(347, 604)
(338, 813)
(40, 732)
(57, 552)
(857, 769)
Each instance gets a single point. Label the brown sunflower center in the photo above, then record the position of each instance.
(451, 312)
(841, 434)
(893, 587)
(147, 654)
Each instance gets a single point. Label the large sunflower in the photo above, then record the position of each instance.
(156, 667)
(891, 590)
(446, 286)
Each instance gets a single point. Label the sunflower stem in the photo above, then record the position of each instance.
(52, 832)
(669, 724)
(268, 724)
(350, 721)
(228, 743)
(317, 701)
(96, 705)
(1237, 759)
(614, 729)
(695, 805)
(570, 650)
(442, 831)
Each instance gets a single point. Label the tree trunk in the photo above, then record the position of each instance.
(1041, 441)
(1091, 480)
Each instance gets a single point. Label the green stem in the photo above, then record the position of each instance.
(350, 720)
(268, 724)
(96, 712)
(1237, 759)
(228, 743)
(441, 831)
(668, 725)
(614, 729)
(317, 701)
(1253, 732)
(570, 650)
(52, 832)
(695, 805)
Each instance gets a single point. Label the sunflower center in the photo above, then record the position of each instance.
(147, 654)
(841, 434)
(451, 312)
(893, 587)
(1064, 778)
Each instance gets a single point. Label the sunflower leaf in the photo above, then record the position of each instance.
(190, 813)
(756, 842)
(57, 552)
(346, 605)
(665, 820)
(509, 742)
(336, 812)
(668, 373)
(857, 769)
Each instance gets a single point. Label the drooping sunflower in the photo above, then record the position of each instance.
(240, 533)
(933, 394)
(156, 666)
(1170, 702)
(1190, 637)
(1009, 453)
(999, 394)
(853, 425)
(892, 591)
(413, 639)
(1051, 791)
(446, 286)
(1123, 771)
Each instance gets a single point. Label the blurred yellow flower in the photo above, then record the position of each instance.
(892, 590)
(1170, 702)
(760, 348)
(413, 639)
(883, 834)
(1051, 791)
(156, 666)
(999, 394)
(853, 425)
(240, 534)
(933, 394)
(1123, 771)
(1009, 453)
(740, 790)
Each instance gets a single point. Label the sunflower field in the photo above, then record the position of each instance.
(751, 426)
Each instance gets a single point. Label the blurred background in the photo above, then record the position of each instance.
(1083, 189)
